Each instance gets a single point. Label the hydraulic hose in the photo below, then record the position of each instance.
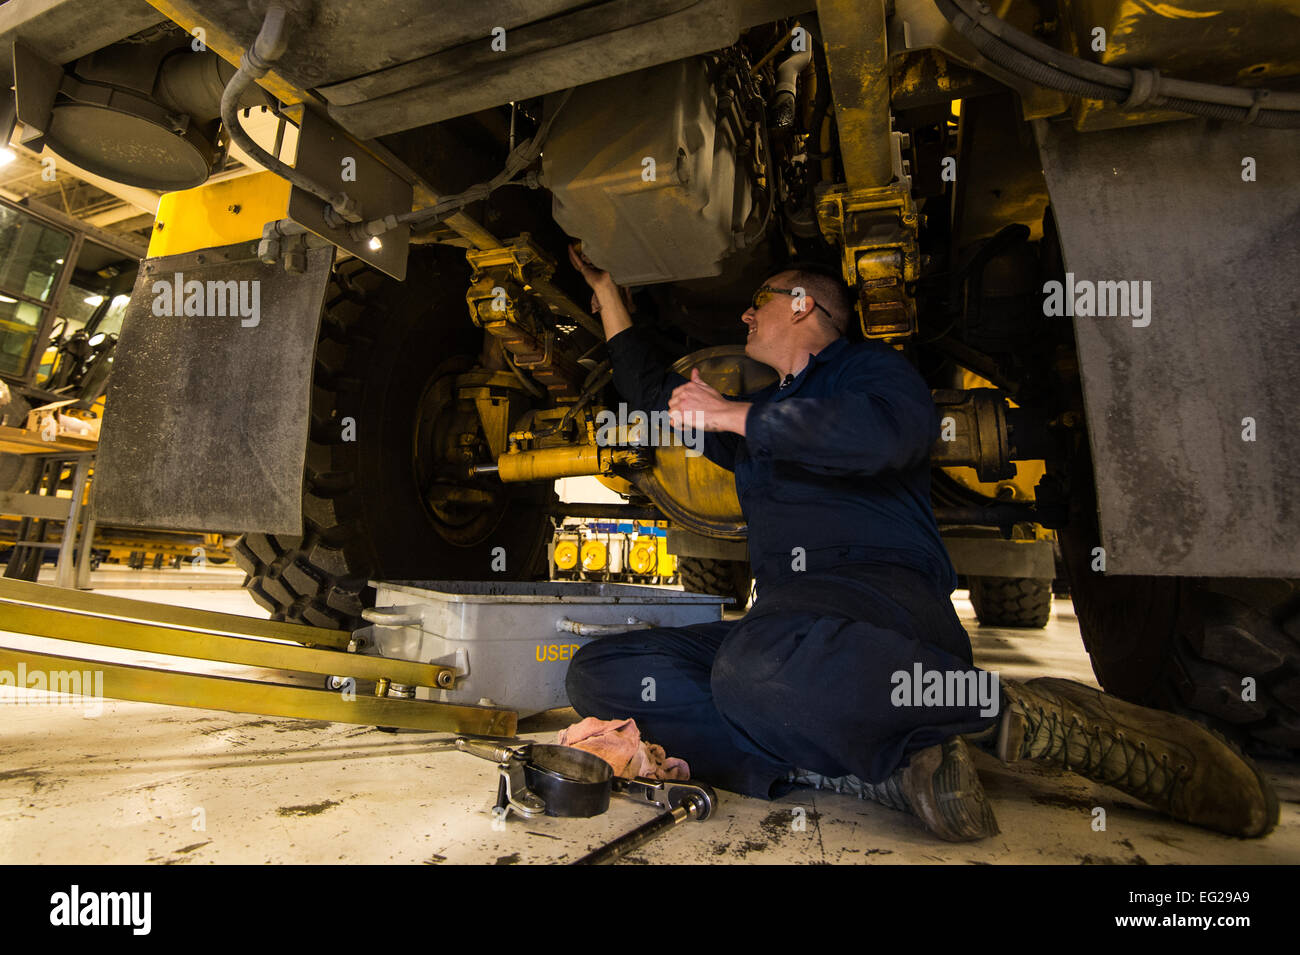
(271, 43)
(1033, 60)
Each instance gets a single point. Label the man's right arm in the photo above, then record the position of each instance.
(640, 376)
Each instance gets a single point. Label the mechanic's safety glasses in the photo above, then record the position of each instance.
(766, 293)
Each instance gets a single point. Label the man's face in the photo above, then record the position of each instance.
(771, 321)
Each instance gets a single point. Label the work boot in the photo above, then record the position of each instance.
(939, 785)
(1167, 761)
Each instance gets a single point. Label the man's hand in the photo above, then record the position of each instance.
(696, 404)
(598, 279)
(608, 301)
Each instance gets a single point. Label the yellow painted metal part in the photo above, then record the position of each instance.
(199, 645)
(617, 484)
(877, 233)
(174, 688)
(595, 555)
(566, 554)
(547, 464)
(123, 608)
(45, 611)
(1028, 473)
(642, 557)
(219, 213)
(667, 563)
(1245, 43)
(190, 15)
(690, 489)
(856, 59)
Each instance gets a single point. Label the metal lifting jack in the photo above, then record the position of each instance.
(43, 611)
(411, 621)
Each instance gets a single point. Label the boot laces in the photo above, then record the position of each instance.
(1137, 771)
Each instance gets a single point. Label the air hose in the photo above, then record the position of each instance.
(271, 43)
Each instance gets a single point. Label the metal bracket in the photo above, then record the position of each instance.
(876, 230)
(508, 285)
(531, 269)
(36, 84)
(980, 438)
(326, 154)
(513, 792)
(512, 786)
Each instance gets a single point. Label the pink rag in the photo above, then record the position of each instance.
(619, 743)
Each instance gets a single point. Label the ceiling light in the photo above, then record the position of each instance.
(94, 299)
(375, 244)
(7, 156)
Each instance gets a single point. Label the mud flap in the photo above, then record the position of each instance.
(1191, 405)
(206, 420)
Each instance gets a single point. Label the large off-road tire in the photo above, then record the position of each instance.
(382, 344)
(726, 578)
(1024, 602)
(1225, 652)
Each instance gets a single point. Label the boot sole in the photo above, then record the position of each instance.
(945, 792)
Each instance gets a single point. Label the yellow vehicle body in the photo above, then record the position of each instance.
(218, 213)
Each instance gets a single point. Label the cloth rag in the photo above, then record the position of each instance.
(619, 743)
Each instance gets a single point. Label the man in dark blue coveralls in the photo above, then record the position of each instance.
(832, 470)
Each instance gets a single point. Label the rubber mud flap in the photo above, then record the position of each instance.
(206, 420)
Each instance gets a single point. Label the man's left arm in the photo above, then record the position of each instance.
(881, 418)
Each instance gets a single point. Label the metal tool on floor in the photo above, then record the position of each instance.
(537, 778)
(681, 800)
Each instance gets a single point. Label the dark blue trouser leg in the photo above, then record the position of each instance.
(818, 691)
(743, 703)
(607, 680)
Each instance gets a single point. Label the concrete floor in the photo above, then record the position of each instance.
(142, 783)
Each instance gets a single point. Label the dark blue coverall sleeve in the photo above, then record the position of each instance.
(644, 381)
(880, 418)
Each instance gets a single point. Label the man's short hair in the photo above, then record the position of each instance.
(828, 290)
